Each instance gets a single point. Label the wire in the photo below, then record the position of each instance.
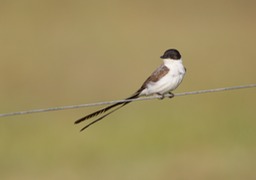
(117, 101)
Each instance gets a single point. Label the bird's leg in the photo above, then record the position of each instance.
(171, 95)
(162, 96)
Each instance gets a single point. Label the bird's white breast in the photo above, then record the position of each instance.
(170, 81)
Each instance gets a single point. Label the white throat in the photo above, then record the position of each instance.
(170, 63)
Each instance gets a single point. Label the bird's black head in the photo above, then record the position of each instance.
(171, 54)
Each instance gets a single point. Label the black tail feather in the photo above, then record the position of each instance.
(107, 108)
(100, 118)
(96, 113)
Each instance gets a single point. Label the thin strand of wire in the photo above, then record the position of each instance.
(117, 101)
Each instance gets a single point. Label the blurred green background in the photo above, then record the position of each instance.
(56, 53)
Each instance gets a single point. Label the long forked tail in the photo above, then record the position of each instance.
(136, 95)
(100, 118)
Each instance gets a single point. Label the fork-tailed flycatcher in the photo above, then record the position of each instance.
(162, 81)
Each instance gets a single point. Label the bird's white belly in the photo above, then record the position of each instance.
(167, 83)
(164, 85)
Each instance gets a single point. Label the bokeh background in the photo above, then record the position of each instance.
(56, 53)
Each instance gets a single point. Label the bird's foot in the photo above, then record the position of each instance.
(171, 95)
(161, 96)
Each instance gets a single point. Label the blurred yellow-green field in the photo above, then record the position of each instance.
(56, 53)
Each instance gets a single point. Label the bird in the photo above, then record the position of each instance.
(166, 78)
